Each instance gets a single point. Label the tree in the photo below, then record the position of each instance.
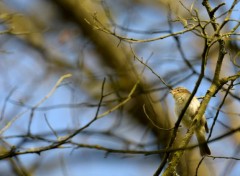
(89, 81)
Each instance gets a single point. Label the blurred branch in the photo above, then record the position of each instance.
(64, 139)
(117, 60)
(38, 104)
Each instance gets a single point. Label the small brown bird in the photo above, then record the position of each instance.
(181, 95)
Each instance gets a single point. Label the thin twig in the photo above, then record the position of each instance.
(159, 77)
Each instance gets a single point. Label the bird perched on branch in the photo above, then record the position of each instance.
(181, 96)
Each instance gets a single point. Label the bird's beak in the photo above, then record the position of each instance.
(171, 91)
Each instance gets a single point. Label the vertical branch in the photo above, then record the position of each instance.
(177, 124)
(216, 85)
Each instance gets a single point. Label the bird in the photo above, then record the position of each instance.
(181, 96)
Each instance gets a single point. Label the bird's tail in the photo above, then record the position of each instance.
(204, 149)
